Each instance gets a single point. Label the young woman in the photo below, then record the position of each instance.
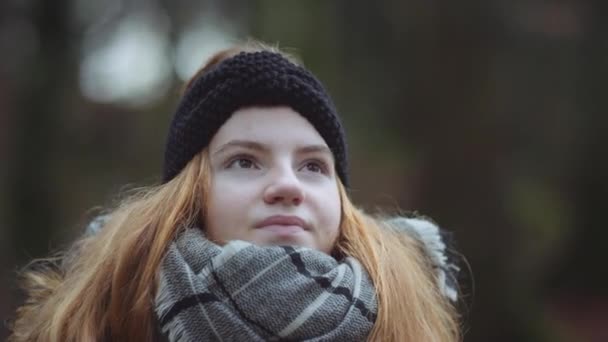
(250, 236)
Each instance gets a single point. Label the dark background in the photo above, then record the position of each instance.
(488, 116)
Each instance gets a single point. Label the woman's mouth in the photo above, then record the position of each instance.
(283, 224)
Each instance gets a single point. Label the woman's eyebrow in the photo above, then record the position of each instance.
(257, 146)
(248, 144)
(314, 148)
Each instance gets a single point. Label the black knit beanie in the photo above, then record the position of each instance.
(248, 79)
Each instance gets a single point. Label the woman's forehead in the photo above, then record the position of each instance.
(267, 126)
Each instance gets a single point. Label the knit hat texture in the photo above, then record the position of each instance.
(260, 78)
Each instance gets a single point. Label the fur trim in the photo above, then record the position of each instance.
(429, 234)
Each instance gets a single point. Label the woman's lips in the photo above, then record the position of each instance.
(282, 223)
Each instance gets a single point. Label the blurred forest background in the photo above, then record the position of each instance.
(489, 116)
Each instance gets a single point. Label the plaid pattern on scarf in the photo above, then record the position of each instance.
(243, 292)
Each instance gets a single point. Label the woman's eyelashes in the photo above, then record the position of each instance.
(242, 161)
(316, 166)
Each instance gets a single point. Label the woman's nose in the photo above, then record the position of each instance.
(285, 188)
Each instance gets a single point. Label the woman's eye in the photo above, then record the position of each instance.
(314, 166)
(242, 163)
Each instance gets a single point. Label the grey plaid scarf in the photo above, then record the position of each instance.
(242, 292)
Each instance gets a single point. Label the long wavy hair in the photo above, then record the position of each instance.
(103, 288)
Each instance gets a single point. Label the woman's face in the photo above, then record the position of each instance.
(273, 181)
